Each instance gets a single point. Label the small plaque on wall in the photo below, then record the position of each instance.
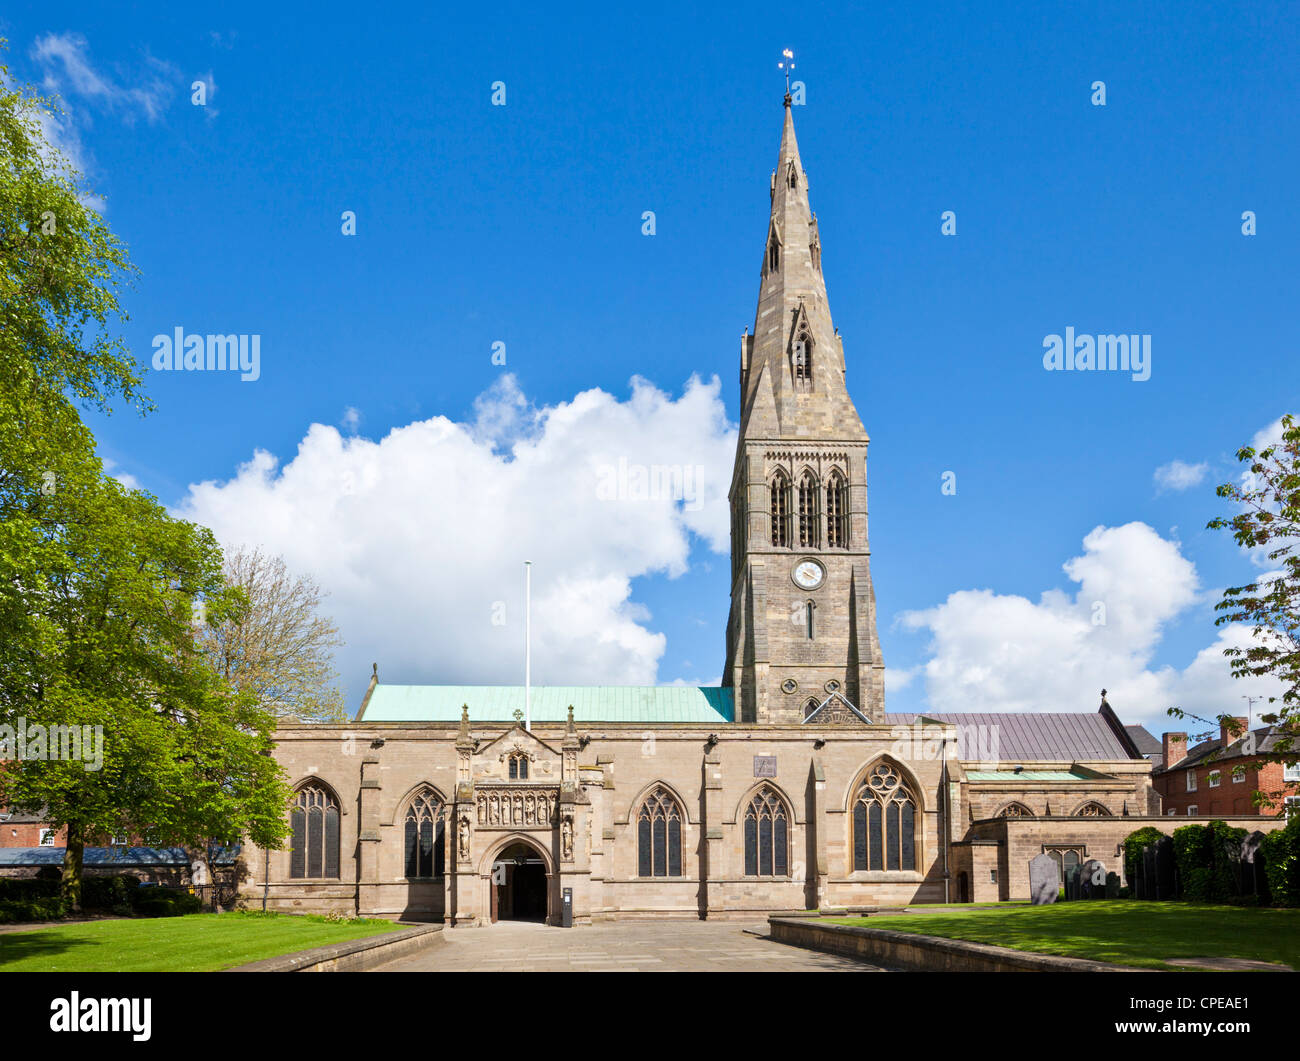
(765, 766)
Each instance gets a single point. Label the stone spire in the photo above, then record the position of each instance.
(792, 366)
(803, 610)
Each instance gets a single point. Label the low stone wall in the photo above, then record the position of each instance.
(354, 956)
(907, 950)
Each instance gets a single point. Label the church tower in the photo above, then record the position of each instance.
(802, 627)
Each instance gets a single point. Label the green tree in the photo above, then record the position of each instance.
(1267, 499)
(98, 585)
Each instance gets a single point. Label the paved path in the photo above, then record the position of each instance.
(637, 946)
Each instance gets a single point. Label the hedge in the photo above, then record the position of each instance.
(1281, 850)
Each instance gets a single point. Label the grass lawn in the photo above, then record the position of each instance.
(1126, 932)
(194, 943)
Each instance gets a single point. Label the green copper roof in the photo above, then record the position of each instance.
(550, 703)
(1026, 775)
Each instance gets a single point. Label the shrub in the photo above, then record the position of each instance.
(1207, 860)
(109, 893)
(24, 888)
(14, 910)
(1281, 850)
(163, 902)
(1134, 844)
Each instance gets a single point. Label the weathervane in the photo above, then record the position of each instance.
(787, 64)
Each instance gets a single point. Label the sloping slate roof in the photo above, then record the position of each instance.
(1030, 736)
(1147, 743)
(107, 856)
(1267, 739)
(550, 703)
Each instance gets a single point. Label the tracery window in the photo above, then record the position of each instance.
(425, 852)
(884, 822)
(780, 488)
(837, 516)
(659, 836)
(314, 822)
(518, 766)
(1066, 858)
(1092, 810)
(808, 516)
(766, 836)
(1015, 810)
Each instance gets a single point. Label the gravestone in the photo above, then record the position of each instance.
(1092, 875)
(1044, 880)
(1112, 885)
(1165, 883)
(1073, 883)
(1254, 879)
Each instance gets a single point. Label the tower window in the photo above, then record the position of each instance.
(808, 617)
(808, 516)
(780, 510)
(773, 256)
(837, 520)
(803, 347)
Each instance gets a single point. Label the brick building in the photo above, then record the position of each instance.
(1220, 775)
(787, 788)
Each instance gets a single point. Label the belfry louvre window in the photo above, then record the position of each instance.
(884, 822)
(803, 349)
(837, 518)
(808, 515)
(659, 836)
(424, 836)
(766, 836)
(314, 821)
(780, 510)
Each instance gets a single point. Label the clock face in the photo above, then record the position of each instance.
(808, 574)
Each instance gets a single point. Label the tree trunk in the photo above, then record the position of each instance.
(70, 889)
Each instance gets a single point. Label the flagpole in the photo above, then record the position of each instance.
(528, 645)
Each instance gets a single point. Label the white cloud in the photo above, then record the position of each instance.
(351, 420)
(65, 60)
(421, 536)
(1178, 475)
(994, 652)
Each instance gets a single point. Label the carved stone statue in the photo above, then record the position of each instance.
(566, 837)
(464, 837)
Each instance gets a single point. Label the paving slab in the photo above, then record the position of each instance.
(621, 946)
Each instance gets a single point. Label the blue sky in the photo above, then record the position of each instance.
(522, 224)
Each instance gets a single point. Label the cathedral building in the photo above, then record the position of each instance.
(788, 788)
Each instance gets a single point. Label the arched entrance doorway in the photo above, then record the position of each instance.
(518, 885)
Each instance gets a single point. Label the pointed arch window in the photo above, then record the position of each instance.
(884, 822)
(808, 516)
(812, 705)
(766, 836)
(773, 255)
(1092, 810)
(518, 766)
(808, 607)
(659, 835)
(792, 175)
(837, 515)
(780, 488)
(803, 351)
(314, 824)
(424, 836)
(1015, 810)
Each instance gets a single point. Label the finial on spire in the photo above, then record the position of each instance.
(786, 64)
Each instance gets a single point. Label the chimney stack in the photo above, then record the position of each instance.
(1174, 748)
(1226, 736)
